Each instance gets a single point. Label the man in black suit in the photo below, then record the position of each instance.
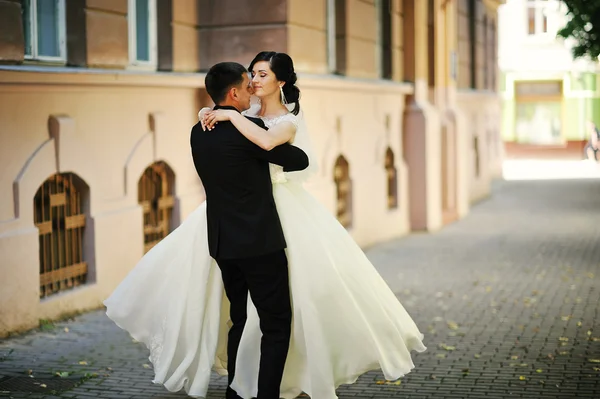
(244, 231)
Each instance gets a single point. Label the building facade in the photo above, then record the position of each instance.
(548, 97)
(97, 99)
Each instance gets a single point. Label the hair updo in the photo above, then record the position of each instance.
(282, 65)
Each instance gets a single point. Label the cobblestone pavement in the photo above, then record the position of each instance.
(508, 300)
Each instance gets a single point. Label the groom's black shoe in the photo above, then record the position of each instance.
(231, 394)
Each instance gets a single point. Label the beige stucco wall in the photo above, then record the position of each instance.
(112, 126)
(108, 127)
(479, 115)
(362, 139)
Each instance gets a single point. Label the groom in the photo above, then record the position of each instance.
(244, 231)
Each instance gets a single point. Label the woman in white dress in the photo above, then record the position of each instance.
(346, 320)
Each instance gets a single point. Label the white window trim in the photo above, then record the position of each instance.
(62, 42)
(539, 7)
(131, 22)
(331, 37)
(540, 38)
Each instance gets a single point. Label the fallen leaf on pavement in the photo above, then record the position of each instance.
(447, 347)
(386, 382)
(452, 325)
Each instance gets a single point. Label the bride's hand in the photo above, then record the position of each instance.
(201, 115)
(211, 118)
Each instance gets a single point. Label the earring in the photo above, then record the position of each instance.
(283, 99)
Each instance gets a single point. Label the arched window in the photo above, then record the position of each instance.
(476, 157)
(341, 176)
(59, 215)
(155, 194)
(392, 179)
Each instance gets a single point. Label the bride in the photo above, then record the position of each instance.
(346, 320)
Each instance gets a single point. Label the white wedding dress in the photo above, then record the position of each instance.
(346, 320)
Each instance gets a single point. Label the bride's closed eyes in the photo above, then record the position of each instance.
(261, 73)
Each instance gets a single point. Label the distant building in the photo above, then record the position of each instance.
(547, 96)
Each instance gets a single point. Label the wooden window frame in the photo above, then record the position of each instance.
(391, 179)
(59, 215)
(343, 185)
(158, 211)
(540, 20)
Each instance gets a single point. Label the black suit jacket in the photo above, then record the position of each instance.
(242, 218)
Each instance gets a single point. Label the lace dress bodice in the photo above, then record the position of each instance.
(277, 173)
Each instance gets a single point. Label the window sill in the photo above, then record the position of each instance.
(134, 66)
(64, 295)
(42, 61)
(37, 73)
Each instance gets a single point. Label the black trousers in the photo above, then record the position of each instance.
(266, 279)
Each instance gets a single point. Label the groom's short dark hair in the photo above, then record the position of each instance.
(221, 77)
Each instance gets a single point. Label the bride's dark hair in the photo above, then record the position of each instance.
(282, 65)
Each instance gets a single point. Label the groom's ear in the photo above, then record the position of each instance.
(233, 93)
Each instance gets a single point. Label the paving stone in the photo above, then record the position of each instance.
(513, 290)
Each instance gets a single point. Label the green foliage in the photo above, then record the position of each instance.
(584, 27)
(46, 325)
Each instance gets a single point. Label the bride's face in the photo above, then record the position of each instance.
(264, 81)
